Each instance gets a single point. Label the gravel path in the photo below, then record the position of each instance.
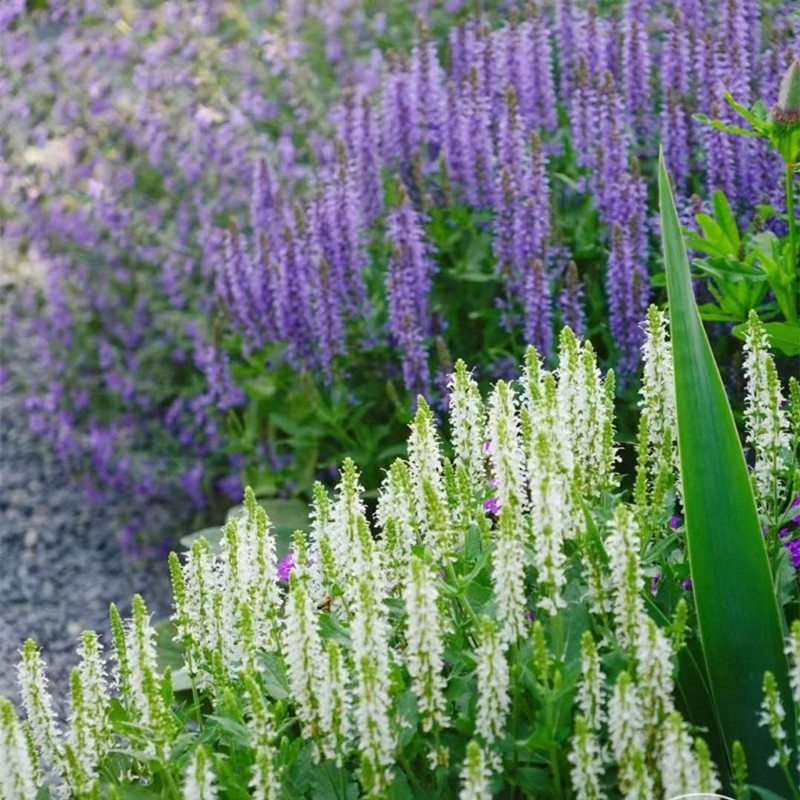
(60, 559)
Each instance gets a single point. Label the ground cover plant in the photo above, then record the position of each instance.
(266, 229)
(512, 623)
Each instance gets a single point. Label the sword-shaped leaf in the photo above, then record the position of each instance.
(738, 616)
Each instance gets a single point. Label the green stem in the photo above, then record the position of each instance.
(790, 213)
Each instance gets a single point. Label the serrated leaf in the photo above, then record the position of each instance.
(737, 612)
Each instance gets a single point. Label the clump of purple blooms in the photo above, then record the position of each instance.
(168, 134)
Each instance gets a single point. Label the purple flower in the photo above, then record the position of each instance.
(492, 505)
(655, 580)
(285, 567)
(687, 584)
(675, 521)
(794, 551)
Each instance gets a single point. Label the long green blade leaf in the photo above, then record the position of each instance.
(738, 615)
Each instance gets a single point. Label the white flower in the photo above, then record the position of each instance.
(626, 731)
(335, 705)
(494, 700)
(425, 643)
(18, 774)
(264, 781)
(468, 426)
(38, 704)
(773, 717)
(475, 774)
(395, 517)
(427, 476)
(591, 688)
(587, 762)
(653, 655)
(369, 633)
(766, 420)
(301, 647)
(793, 651)
(508, 576)
(89, 734)
(658, 433)
(506, 451)
(626, 571)
(199, 781)
(676, 758)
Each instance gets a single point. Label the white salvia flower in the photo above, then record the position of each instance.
(468, 426)
(793, 651)
(658, 432)
(584, 415)
(199, 781)
(89, 735)
(625, 566)
(193, 613)
(475, 774)
(427, 476)
(772, 717)
(493, 683)
(345, 544)
(145, 690)
(302, 653)
(550, 514)
(531, 380)
(708, 777)
(587, 762)
(395, 514)
(766, 420)
(264, 782)
(591, 687)
(508, 576)
(335, 706)
(654, 670)
(677, 762)
(626, 731)
(320, 520)
(18, 773)
(506, 451)
(424, 632)
(38, 704)
(370, 644)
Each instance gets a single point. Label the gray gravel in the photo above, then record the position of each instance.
(60, 559)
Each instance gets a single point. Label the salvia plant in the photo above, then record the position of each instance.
(509, 622)
(394, 226)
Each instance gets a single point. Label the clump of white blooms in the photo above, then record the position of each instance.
(658, 424)
(418, 651)
(766, 419)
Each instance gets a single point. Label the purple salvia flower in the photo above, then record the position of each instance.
(479, 183)
(408, 283)
(626, 310)
(536, 301)
(400, 126)
(612, 154)
(427, 84)
(538, 98)
(565, 37)
(570, 301)
(636, 68)
(454, 133)
(583, 115)
(675, 119)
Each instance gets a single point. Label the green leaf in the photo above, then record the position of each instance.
(783, 336)
(738, 616)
